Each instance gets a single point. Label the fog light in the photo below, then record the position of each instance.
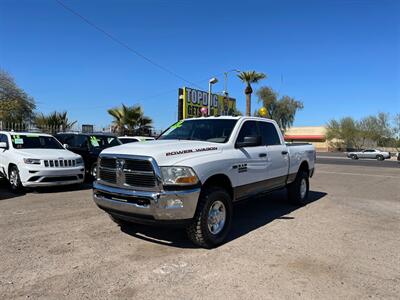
(174, 203)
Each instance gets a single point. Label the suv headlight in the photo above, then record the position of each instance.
(178, 175)
(79, 161)
(32, 161)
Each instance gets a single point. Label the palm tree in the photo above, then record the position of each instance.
(130, 119)
(249, 77)
(119, 115)
(53, 122)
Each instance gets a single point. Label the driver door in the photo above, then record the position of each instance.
(251, 168)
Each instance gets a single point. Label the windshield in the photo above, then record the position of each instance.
(101, 141)
(32, 141)
(216, 131)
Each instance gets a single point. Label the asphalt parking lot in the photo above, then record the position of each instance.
(56, 243)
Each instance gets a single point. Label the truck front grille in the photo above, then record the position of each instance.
(127, 172)
(57, 163)
(108, 175)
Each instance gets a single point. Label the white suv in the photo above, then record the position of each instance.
(32, 160)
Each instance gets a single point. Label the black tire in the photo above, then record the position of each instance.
(198, 231)
(380, 157)
(353, 156)
(295, 193)
(14, 180)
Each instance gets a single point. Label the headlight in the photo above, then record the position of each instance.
(79, 161)
(179, 175)
(32, 161)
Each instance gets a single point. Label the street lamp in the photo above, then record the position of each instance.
(226, 80)
(210, 83)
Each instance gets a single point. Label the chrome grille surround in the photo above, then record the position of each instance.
(129, 172)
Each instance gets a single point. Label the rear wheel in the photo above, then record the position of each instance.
(298, 190)
(212, 220)
(14, 180)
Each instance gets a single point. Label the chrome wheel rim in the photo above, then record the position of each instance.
(14, 178)
(216, 217)
(94, 171)
(303, 188)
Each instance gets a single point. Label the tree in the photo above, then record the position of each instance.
(249, 77)
(16, 106)
(350, 133)
(130, 120)
(53, 122)
(395, 130)
(282, 110)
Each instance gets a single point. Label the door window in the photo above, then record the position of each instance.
(3, 139)
(249, 129)
(269, 136)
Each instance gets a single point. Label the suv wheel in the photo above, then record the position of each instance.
(213, 218)
(298, 189)
(93, 171)
(14, 179)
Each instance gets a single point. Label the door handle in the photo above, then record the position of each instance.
(262, 155)
(284, 152)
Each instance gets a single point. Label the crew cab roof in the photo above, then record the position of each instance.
(230, 118)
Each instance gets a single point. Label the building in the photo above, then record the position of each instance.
(315, 135)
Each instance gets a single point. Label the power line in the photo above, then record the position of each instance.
(121, 43)
(140, 100)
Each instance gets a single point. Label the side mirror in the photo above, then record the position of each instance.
(249, 141)
(66, 146)
(3, 145)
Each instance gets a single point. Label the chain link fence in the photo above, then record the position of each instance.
(29, 127)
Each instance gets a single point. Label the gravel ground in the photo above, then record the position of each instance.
(57, 244)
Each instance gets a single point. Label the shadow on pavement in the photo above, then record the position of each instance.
(5, 192)
(249, 215)
(61, 188)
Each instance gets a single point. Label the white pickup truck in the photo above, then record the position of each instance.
(196, 169)
(34, 160)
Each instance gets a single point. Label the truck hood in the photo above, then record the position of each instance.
(46, 153)
(167, 152)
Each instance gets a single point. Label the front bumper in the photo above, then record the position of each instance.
(145, 205)
(36, 176)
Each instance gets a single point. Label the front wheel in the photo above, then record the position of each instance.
(15, 180)
(380, 157)
(93, 171)
(212, 220)
(354, 156)
(298, 189)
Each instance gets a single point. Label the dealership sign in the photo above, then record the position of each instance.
(191, 101)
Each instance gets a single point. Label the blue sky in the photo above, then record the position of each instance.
(339, 57)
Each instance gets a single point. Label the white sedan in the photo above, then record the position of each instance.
(369, 153)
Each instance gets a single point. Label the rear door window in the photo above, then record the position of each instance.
(269, 135)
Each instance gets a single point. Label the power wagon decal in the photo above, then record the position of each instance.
(190, 151)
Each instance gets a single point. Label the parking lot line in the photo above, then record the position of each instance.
(358, 174)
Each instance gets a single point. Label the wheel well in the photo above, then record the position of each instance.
(304, 167)
(219, 180)
(9, 168)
